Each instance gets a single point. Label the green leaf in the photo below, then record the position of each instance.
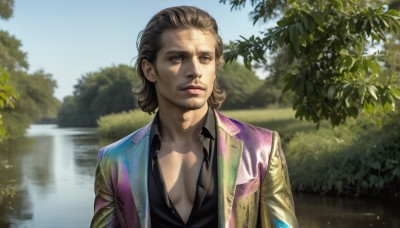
(348, 102)
(352, 111)
(372, 90)
(369, 107)
(393, 12)
(385, 23)
(309, 23)
(361, 93)
(368, 27)
(365, 64)
(294, 38)
(310, 38)
(389, 104)
(373, 66)
(395, 93)
(394, 26)
(346, 90)
(349, 61)
(331, 92)
(318, 17)
(283, 23)
(375, 37)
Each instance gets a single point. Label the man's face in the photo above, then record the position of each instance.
(185, 69)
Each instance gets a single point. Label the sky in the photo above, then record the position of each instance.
(69, 38)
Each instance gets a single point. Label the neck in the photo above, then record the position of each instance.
(181, 125)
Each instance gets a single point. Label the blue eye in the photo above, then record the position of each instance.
(177, 58)
(205, 59)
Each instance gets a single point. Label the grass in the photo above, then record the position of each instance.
(281, 120)
(116, 126)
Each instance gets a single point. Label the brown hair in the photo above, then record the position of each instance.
(150, 43)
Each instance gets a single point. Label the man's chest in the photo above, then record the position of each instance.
(180, 171)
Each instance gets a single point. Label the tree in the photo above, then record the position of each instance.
(6, 8)
(334, 74)
(270, 94)
(7, 98)
(11, 56)
(109, 90)
(239, 83)
(35, 101)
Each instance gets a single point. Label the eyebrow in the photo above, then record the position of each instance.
(181, 52)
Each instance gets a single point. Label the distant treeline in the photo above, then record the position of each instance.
(110, 90)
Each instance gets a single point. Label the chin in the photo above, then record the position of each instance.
(194, 105)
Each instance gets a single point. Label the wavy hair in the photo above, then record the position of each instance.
(149, 43)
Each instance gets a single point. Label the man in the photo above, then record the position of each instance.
(191, 166)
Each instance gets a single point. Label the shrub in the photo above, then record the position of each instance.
(361, 158)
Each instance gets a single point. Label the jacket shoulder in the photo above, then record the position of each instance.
(244, 130)
(117, 147)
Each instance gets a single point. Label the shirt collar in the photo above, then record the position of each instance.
(208, 130)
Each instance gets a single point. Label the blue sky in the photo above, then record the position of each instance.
(69, 38)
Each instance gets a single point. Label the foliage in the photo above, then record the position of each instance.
(360, 158)
(335, 75)
(7, 99)
(11, 56)
(269, 94)
(239, 83)
(263, 9)
(35, 91)
(106, 91)
(6, 8)
(35, 101)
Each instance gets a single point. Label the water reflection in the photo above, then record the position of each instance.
(316, 211)
(54, 169)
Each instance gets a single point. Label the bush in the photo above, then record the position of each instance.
(360, 158)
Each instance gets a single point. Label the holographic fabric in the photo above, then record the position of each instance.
(253, 189)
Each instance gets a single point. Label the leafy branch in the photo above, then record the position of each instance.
(338, 70)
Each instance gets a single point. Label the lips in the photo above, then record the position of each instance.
(199, 87)
(193, 89)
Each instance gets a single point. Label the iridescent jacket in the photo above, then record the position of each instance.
(253, 189)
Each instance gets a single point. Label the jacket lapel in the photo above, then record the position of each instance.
(229, 155)
(138, 172)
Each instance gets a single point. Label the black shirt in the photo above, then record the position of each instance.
(205, 206)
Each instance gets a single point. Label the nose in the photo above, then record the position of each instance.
(193, 68)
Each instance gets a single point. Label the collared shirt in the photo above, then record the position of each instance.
(205, 206)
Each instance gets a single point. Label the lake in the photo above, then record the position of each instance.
(54, 169)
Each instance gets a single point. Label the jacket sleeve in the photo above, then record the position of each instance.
(276, 200)
(104, 204)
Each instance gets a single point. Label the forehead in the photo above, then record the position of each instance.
(187, 39)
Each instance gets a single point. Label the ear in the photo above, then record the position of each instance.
(149, 71)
